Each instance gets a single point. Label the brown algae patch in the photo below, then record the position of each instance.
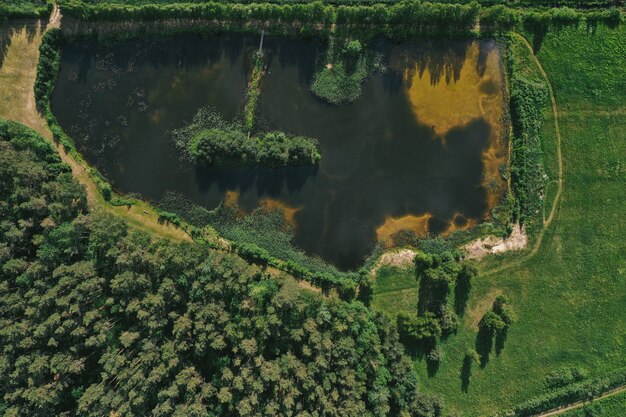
(453, 98)
(231, 199)
(459, 222)
(416, 224)
(288, 211)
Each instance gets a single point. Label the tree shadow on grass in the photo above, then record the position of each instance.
(500, 339)
(417, 349)
(431, 295)
(432, 367)
(484, 344)
(466, 373)
(461, 294)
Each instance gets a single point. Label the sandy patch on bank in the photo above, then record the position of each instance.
(400, 258)
(477, 249)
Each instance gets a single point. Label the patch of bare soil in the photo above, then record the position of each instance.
(477, 249)
(399, 258)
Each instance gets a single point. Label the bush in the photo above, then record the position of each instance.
(424, 328)
(498, 18)
(492, 322)
(435, 355)
(564, 376)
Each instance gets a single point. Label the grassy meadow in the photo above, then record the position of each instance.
(613, 406)
(570, 297)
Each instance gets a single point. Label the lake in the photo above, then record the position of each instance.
(421, 149)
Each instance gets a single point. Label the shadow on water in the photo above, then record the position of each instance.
(379, 161)
(264, 182)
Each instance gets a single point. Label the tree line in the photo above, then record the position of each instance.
(96, 319)
(405, 16)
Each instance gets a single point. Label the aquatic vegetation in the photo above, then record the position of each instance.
(254, 91)
(339, 80)
(210, 140)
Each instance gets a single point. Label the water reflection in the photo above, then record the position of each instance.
(412, 153)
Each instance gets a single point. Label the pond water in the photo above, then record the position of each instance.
(420, 150)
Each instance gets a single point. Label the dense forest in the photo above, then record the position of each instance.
(99, 320)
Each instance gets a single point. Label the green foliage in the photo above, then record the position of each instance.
(25, 9)
(498, 18)
(97, 320)
(613, 406)
(492, 322)
(564, 376)
(185, 208)
(254, 91)
(528, 99)
(419, 329)
(471, 356)
(266, 229)
(354, 48)
(167, 217)
(345, 68)
(438, 268)
(569, 297)
(210, 140)
(498, 319)
(581, 391)
(336, 86)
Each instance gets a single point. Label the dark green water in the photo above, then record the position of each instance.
(118, 103)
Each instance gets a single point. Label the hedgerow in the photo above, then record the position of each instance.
(25, 9)
(528, 98)
(580, 391)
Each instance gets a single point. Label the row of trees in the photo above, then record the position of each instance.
(24, 9)
(437, 273)
(405, 16)
(98, 320)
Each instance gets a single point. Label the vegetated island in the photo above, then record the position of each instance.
(347, 66)
(211, 140)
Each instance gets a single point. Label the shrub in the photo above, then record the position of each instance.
(419, 328)
(498, 18)
(448, 320)
(564, 376)
(471, 356)
(435, 355)
(492, 322)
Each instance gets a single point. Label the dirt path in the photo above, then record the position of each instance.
(17, 102)
(579, 404)
(557, 198)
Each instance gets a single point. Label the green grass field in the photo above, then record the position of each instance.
(570, 297)
(614, 406)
